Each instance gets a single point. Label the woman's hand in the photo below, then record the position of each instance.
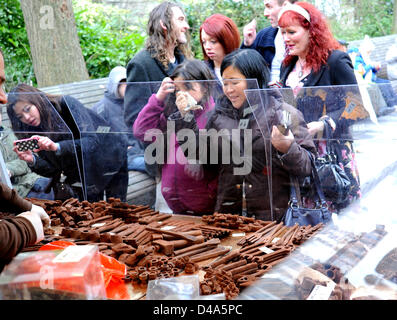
(281, 142)
(315, 127)
(24, 155)
(182, 102)
(46, 143)
(166, 87)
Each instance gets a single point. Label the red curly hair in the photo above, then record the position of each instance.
(224, 30)
(321, 42)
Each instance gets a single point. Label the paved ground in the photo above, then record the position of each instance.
(376, 149)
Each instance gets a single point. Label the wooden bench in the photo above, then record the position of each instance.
(141, 187)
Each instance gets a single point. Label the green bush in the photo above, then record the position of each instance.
(107, 38)
(365, 17)
(15, 45)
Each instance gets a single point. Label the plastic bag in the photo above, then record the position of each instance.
(178, 288)
(113, 271)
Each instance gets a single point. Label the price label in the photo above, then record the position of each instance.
(266, 249)
(73, 254)
(103, 129)
(321, 292)
(166, 228)
(239, 234)
(99, 224)
(275, 240)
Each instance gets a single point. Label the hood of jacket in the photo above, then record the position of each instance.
(115, 76)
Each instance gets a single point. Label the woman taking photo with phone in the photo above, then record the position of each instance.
(69, 145)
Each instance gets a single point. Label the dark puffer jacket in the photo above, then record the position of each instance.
(266, 175)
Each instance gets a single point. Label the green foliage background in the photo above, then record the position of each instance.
(15, 45)
(108, 38)
(363, 17)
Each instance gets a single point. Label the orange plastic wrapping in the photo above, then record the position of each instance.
(113, 271)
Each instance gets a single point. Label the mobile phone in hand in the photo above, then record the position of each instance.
(27, 144)
(285, 123)
(283, 129)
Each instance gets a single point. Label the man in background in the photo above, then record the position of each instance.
(167, 45)
(269, 41)
(165, 48)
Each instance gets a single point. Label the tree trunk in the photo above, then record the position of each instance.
(54, 43)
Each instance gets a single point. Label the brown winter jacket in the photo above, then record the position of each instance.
(15, 232)
(266, 176)
(11, 202)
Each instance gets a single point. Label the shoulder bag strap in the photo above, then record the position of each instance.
(316, 181)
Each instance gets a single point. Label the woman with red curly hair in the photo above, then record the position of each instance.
(219, 36)
(313, 59)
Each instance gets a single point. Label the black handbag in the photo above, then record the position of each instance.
(297, 214)
(334, 181)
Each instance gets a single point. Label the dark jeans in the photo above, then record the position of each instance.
(118, 185)
(38, 189)
(136, 162)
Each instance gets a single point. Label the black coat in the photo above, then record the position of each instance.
(217, 86)
(338, 76)
(143, 68)
(337, 71)
(85, 156)
(264, 44)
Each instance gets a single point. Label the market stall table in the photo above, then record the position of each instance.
(228, 252)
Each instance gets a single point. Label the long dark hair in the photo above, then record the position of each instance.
(47, 105)
(250, 63)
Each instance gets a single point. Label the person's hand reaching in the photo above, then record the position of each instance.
(167, 86)
(249, 33)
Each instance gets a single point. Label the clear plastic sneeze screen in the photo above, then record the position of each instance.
(354, 256)
(102, 150)
(192, 135)
(45, 141)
